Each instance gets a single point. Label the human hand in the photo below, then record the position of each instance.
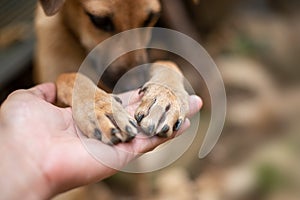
(42, 153)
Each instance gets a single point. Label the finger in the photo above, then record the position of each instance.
(195, 104)
(46, 91)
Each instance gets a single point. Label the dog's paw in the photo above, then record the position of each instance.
(106, 120)
(162, 109)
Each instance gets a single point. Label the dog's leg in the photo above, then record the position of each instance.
(165, 102)
(98, 114)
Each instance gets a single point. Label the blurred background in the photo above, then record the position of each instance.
(256, 45)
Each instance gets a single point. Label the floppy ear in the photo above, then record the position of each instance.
(51, 7)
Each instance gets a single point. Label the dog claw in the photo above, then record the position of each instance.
(162, 135)
(168, 107)
(130, 137)
(133, 123)
(118, 100)
(114, 131)
(177, 125)
(98, 134)
(143, 89)
(129, 130)
(139, 117)
(149, 130)
(163, 132)
(115, 140)
(165, 129)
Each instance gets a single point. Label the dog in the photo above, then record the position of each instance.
(67, 30)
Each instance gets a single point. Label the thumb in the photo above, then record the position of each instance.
(45, 91)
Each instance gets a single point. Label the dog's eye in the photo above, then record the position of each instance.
(102, 22)
(152, 18)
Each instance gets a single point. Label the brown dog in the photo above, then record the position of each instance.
(69, 30)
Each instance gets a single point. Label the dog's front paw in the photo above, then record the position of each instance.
(162, 110)
(106, 121)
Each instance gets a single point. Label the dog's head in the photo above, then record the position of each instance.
(93, 21)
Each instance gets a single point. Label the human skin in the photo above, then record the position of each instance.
(41, 153)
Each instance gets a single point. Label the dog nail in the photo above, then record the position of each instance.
(139, 117)
(168, 107)
(151, 129)
(130, 137)
(177, 125)
(165, 129)
(133, 123)
(118, 99)
(98, 134)
(143, 89)
(162, 135)
(128, 129)
(163, 132)
(114, 131)
(115, 140)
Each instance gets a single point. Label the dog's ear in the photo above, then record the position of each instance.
(51, 7)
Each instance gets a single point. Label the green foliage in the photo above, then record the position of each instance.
(269, 178)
